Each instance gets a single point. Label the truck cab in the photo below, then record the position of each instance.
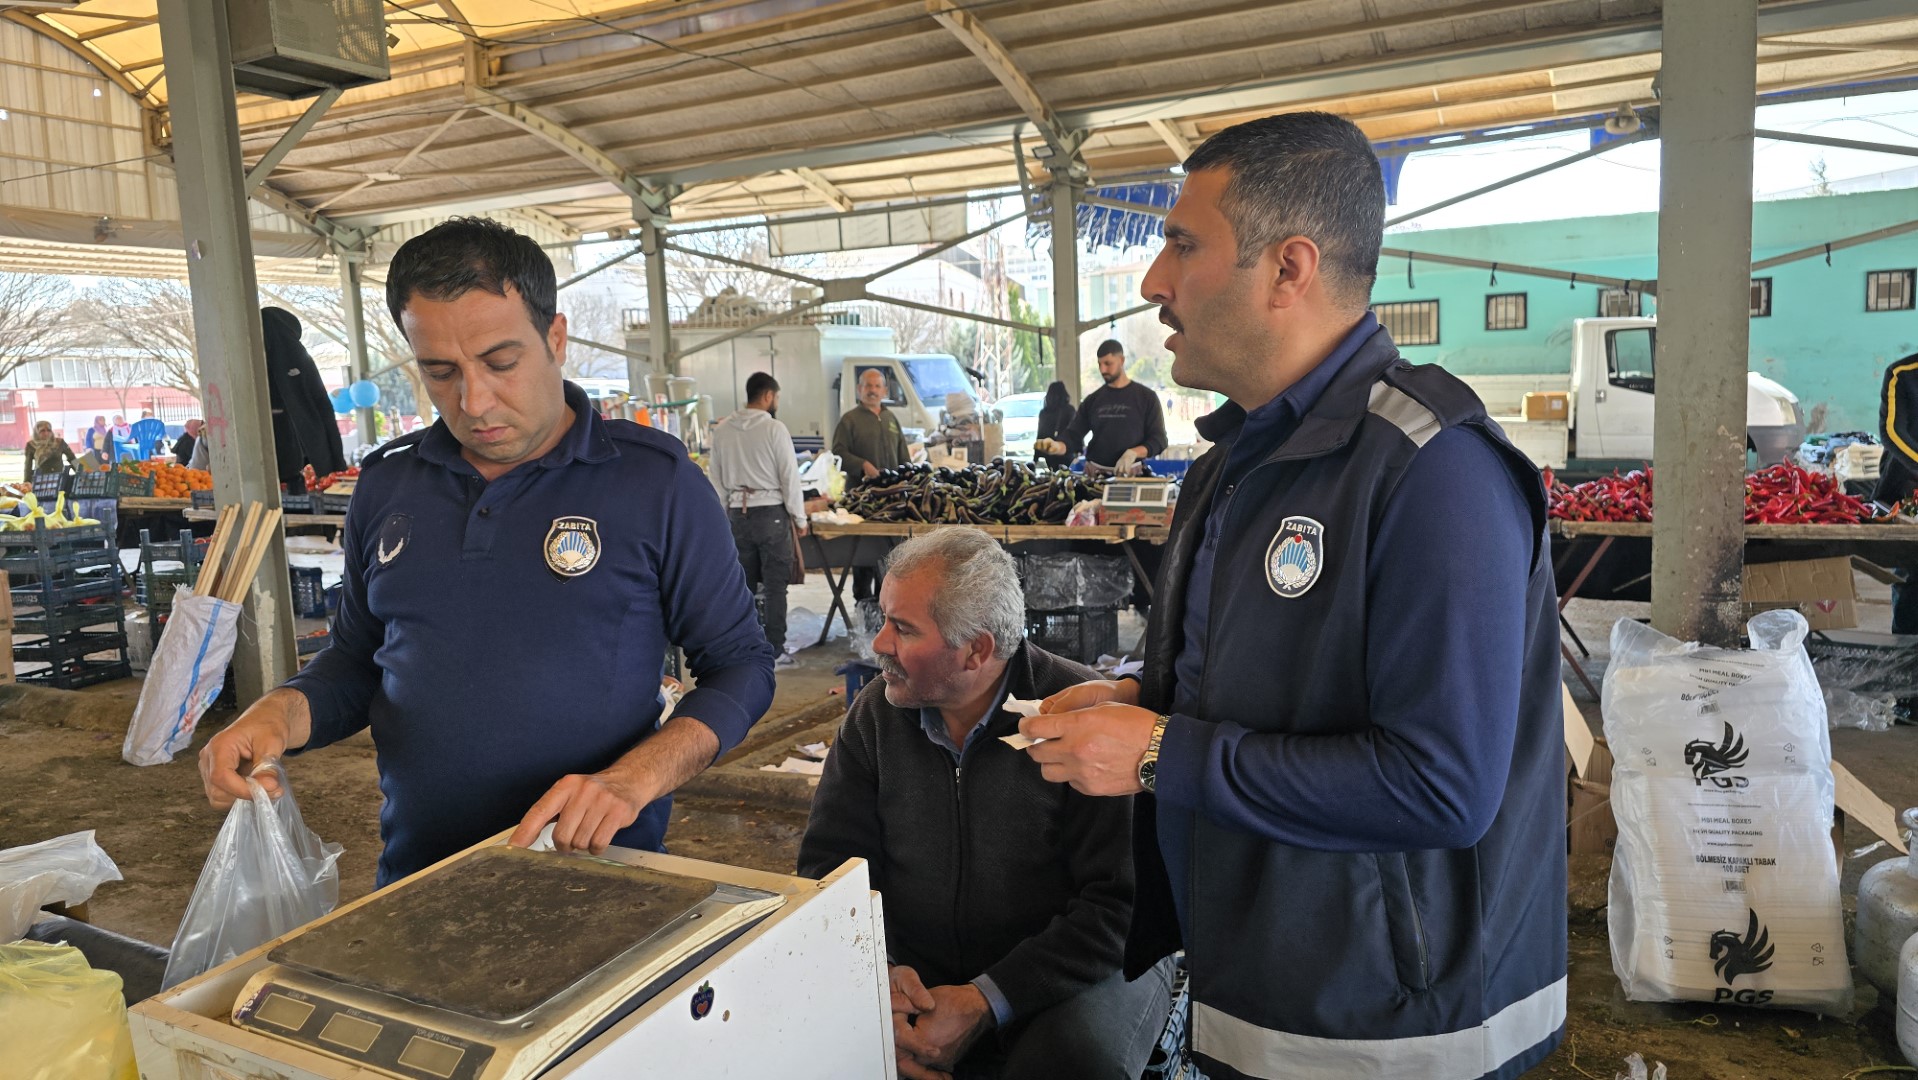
(1614, 375)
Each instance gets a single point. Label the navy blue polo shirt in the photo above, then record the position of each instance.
(498, 636)
(1449, 669)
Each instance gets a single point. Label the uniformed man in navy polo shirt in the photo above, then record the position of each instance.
(514, 576)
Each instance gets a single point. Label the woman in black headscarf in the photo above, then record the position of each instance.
(1055, 416)
(304, 431)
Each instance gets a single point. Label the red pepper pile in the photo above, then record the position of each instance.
(1785, 494)
(1608, 498)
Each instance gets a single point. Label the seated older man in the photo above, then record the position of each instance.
(1006, 898)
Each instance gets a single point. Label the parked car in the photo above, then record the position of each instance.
(1021, 416)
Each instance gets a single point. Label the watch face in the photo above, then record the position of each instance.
(1148, 774)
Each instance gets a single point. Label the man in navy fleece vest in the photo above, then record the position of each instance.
(514, 576)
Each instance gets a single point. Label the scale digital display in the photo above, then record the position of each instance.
(429, 1056)
(350, 1032)
(282, 1011)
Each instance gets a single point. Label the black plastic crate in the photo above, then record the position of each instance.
(51, 540)
(309, 592)
(104, 484)
(1082, 634)
(73, 645)
(136, 485)
(84, 568)
(76, 672)
(330, 504)
(100, 618)
(48, 486)
(297, 504)
(153, 587)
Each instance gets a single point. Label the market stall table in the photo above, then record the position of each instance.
(1888, 544)
(334, 520)
(845, 548)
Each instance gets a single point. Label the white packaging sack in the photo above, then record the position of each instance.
(185, 675)
(1724, 884)
(63, 870)
(266, 874)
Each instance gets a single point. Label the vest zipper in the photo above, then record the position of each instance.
(959, 857)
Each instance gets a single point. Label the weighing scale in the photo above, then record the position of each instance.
(1138, 501)
(504, 963)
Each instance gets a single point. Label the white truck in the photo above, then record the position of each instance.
(1608, 422)
(818, 367)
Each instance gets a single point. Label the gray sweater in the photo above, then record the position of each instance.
(985, 868)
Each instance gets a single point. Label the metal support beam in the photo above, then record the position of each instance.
(1065, 285)
(291, 138)
(1648, 286)
(1089, 324)
(659, 314)
(315, 222)
(226, 317)
(537, 123)
(607, 265)
(1510, 180)
(823, 188)
(776, 271)
(742, 331)
(1704, 259)
(353, 310)
(1169, 131)
(984, 44)
(1842, 144)
(1825, 249)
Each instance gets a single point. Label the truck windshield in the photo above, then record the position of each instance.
(1631, 357)
(933, 377)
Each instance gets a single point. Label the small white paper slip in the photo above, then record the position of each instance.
(1018, 741)
(1023, 706)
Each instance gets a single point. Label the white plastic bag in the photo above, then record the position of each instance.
(1724, 884)
(188, 668)
(267, 874)
(63, 870)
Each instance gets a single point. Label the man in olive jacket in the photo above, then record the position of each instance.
(1006, 898)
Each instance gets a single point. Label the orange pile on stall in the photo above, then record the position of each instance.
(171, 481)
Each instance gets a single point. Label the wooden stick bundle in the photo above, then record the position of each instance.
(233, 554)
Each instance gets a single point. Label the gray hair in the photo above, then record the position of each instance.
(978, 590)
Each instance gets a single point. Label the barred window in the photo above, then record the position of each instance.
(1619, 303)
(1410, 322)
(1505, 311)
(1889, 290)
(1761, 298)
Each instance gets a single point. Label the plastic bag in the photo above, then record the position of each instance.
(267, 874)
(1870, 683)
(62, 1018)
(1635, 1069)
(1063, 582)
(63, 870)
(189, 665)
(1724, 887)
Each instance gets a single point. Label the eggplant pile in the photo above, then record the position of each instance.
(1002, 493)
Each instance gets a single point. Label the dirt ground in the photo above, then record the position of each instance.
(60, 771)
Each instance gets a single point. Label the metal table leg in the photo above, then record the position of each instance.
(1577, 584)
(837, 585)
(1138, 568)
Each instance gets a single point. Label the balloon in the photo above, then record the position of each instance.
(342, 400)
(365, 394)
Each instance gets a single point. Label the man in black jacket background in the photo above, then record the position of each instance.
(304, 430)
(1006, 898)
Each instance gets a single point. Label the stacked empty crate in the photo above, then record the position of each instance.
(165, 565)
(69, 630)
(1073, 602)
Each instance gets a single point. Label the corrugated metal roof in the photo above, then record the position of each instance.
(877, 98)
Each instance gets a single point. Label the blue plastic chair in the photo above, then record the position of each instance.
(147, 433)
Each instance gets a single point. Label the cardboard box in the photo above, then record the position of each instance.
(1821, 590)
(1548, 405)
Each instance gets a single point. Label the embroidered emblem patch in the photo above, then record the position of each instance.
(1297, 554)
(572, 546)
(393, 536)
(702, 1001)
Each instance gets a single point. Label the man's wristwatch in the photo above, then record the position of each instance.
(1149, 764)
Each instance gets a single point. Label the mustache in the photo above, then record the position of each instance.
(889, 666)
(1166, 317)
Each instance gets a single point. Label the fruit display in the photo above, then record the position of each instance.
(316, 482)
(170, 480)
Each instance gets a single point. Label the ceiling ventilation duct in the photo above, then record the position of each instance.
(297, 48)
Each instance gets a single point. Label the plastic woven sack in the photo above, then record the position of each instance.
(1724, 884)
(60, 1017)
(185, 675)
(63, 870)
(267, 874)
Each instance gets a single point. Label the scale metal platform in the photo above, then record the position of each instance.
(493, 966)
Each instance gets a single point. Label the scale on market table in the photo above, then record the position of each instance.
(494, 966)
(1138, 501)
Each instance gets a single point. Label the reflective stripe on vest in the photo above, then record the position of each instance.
(1391, 403)
(1455, 1055)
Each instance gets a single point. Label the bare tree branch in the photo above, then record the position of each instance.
(32, 310)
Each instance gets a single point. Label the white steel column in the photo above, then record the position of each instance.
(226, 314)
(659, 316)
(353, 308)
(1065, 283)
(1709, 83)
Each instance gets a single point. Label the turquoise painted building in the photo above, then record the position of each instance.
(1818, 338)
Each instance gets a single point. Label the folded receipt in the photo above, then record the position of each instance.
(1021, 707)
